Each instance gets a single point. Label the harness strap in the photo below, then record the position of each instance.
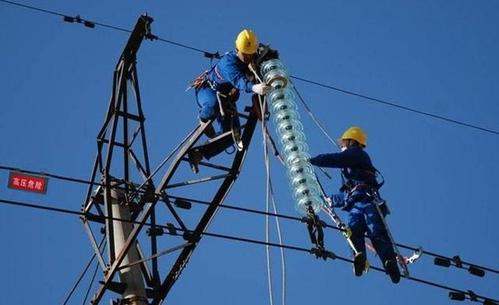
(220, 104)
(218, 74)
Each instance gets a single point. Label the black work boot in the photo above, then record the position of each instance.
(392, 269)
(236, 137)
(194, 156)
(359, 263)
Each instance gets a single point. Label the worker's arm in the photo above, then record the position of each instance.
(233, 74)
(347, 158)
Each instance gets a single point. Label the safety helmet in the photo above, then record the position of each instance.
(355, 133)
(247, 42)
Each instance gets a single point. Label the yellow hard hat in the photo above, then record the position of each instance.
(247, 42)
(355, 133)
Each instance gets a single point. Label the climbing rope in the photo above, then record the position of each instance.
(270, 195)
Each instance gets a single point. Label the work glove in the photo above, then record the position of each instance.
(338, 200)
(261, 89)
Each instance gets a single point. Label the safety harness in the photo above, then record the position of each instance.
(225, 101)
(356, 190)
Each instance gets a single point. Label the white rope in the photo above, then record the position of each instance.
(267, 195)
(279, 236)
(270, 194)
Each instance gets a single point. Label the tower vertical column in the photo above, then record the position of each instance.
(135, 293)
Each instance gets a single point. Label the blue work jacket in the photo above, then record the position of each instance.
(356, 167)
(229, 73)
(355, 164)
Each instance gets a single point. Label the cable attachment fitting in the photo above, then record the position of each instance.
(147, 32)
(457, 260)
(170, 228)
(212, 56)
(78, 19)
(473, 296)
(191, 237)
(322, 253)
(155, 231)
(316, 233)
(415, 256)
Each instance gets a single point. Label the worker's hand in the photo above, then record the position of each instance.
(261, 89)
(338, 200)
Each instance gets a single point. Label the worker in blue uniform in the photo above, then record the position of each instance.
(218, 89)
(357, 198)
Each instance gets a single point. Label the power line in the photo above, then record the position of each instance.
(467, 294)
(80, 277)
(301, 249)
(89, 23)
(319, 125)
(312, 82)
(34, 8)
(392, 104)
(87, 293)
(289, 217)
(247, 210)
(49, 175)
(212, 55)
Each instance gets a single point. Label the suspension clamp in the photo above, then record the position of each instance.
(322, 253)
(78, 19)
(457, 260)
(316, 233)
(156, 231)
(191, 237)
(212, 56)
(473, 296)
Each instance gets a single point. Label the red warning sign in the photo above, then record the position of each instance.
(29, 183)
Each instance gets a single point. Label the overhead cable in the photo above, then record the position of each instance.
(254, 211)
(212, 55)
(467, 294)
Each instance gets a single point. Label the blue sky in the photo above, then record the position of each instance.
(437, 56)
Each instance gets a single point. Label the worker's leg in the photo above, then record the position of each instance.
(357, 225)
(207, 102)
(226, 123)
(378, 234)
(209, 109)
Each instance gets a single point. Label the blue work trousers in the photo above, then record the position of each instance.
(364, 218)
(209, 108)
